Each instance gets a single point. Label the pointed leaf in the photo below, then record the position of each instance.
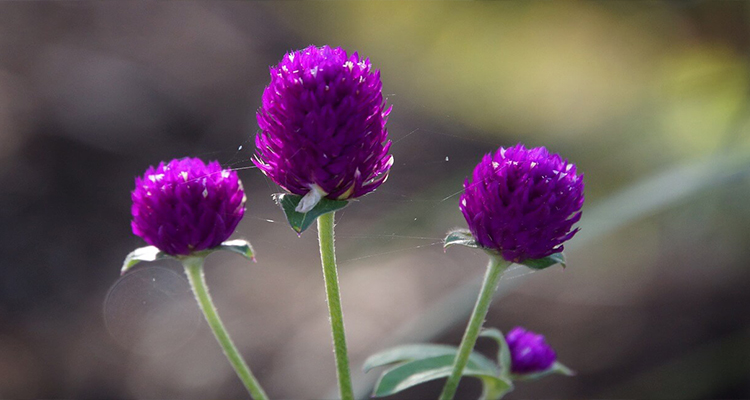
(415, 372)
(495, 388)
(301, 221)
(239, 246)
(421, 351)
(148, 253)
(542, 263)
(503, 352)
(559, 368)
(459, 237)
(555, 368)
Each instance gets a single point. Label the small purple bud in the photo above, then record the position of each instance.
(522, 203)
(529, 352)
(187, 206)
(322, 125)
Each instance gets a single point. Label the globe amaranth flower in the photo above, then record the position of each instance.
(522, 203)
(187, 206)
(322, 126)
(529, 352)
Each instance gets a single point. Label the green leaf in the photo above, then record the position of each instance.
(559, 368)
(503, 352)
(421, 351)
(495, 388)
(148, 253)
(415, 372)
(555, 368)
(542, 263)
(460, 237)
(301, 221)
(239, 246)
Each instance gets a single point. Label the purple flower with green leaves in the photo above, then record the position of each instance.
(529, 352)
(522, 203)
(322, 126)
(186, 206)
(185, 210)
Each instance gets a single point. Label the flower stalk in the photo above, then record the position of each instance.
(497, 265)
(333, 298)
(194, 271)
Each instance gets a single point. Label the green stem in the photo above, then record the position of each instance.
(328, 259)
(495, 269)
(194, 270)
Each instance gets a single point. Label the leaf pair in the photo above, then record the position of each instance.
(420, 363)
(151, 253)
(463, 237)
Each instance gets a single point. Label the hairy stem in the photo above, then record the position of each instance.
(495, 269)
(333, 297)
(194, 270)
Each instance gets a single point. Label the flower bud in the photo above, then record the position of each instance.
(529, 352)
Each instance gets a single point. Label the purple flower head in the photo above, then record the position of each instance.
(529, 352)
(323, 125)
(522, 203)
(187, 206)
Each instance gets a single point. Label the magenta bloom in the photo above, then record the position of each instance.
(522, 203)
(187, 206)
(323, 125)
(529, 352)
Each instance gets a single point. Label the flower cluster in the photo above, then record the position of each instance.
(323, 135)
(186, 206)
(322, 125)
(522, 203)
(529, 352)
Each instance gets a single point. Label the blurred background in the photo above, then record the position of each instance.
(650, 99)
